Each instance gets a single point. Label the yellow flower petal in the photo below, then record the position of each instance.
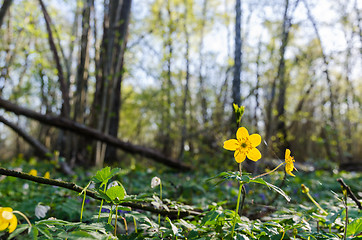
(4, 225)
(47, 175)
(13, 224)
(231, 144)
(33, 172)
(289, 168)
(242, 133)
(7, 209)
(254, 154)
(239, 156)
(255, 139)
(287, 154)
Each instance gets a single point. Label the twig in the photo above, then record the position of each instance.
(350, 193)
(172, 213)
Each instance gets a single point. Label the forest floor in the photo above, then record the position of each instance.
(55, 212)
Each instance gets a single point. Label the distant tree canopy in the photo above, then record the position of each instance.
(161, 76)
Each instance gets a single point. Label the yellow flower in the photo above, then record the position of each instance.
(289, 166)
(33, 172)
(7, 219)
(244, 145)
(47, 175)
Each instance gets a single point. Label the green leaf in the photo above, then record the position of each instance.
(355, 227)
(102, 176)
(116, 193)
(210, 217)
(21, 228)
(275, 188)
(34, 232)
(45, 232)
(242, 237)
(173, 227)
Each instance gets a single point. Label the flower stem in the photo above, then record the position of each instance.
(100, 209)
(316, 203)
(125, 225)
(135, 224)
(23, 215)
(267, 173)
(85, 194)
(237, 208)
(115, 223)
(159, 216)
(346, 209)
(81, 212)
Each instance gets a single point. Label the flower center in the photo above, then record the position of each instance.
(245, 145)
(7, 215)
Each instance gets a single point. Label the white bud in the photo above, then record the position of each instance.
(41, 211)
(155, 182)
(112, 184)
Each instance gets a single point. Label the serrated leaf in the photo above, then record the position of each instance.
(275, 188)
(102, 176)
(104, 196)
(116, 193)
(355, 227)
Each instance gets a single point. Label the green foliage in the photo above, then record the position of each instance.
(104, 175)
(260, 220)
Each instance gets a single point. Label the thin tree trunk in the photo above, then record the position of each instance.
(186, 87)
(329, 84)
(257, 100)
(236, 88)
(4, 8)
(63, 84)
(281, 128)
(82, 66)
(80, 102)
(112, 123)
(201, 92)
(166, 88)
(349, 91)
(359, 24)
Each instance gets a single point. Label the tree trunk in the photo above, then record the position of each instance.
(257, 100)
(80, 102)
(4, 8)
(329, 84)
(186, 87)
(63, 84)
(115, 99)
(167, 87)
(281, 128)
(201, 92)
(236, 88)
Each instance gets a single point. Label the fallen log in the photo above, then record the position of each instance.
(83, 130)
